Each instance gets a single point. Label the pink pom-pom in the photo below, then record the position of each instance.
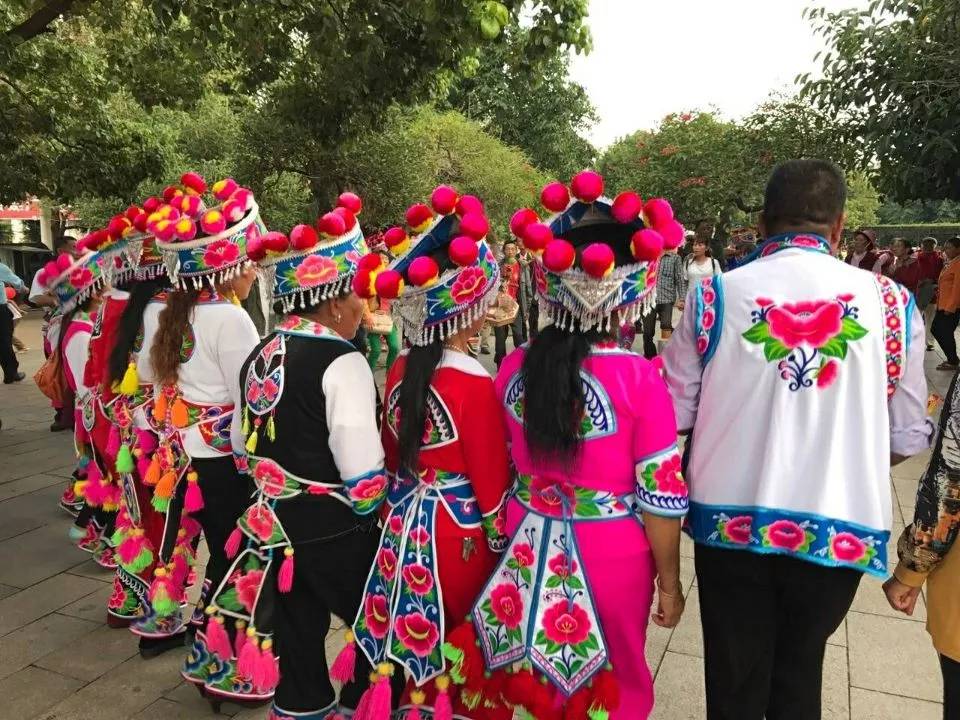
(597, 260)
(113, 440)
(143, 465)
(140, 221)
(520, 219)
(555, 197)
(232, 546)
(442, 707)
(248, 659)
(673, 234)
(213, 222)
(170, 192)
(587, 186)
(344, 665)
(474, 225)
(275, 242)
(303, 237)
(363, 284)
(190, 205)
(646, 245)
(469, 204)
(559, 256)
(185, 229)
(256, 250)
(193, 500)
(223, 189)
(350, 201)
(244, 197)
(389, 284)
(536, 237)
(424, 270)
(118, 226)
(51, 269)
(349, 219)
(332, 225)
(217, 639)
(233, 211)
(164, 230)
(464, 250)
(63, 262)
(396, 240)
(130, 547)
(371, 261)
(194, 182)
(285, 576)
(152, 204)
(657, 212)
(444, 200)
(266, 673)
(626, 207)
(419, 217)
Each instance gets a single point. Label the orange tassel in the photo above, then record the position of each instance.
(178, 414)
(164, 488)
(160, 407)
(153, 472)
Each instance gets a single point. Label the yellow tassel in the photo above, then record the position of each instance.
(130, 383)
(178, 415)
(271, 429)
(245, 428)
(252, 442)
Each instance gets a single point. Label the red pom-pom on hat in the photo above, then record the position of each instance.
(389, 284)
(626, 207)
(118, 226)
(646, 245)
(597, 260)
(363, 284)
(419, 217)
(423, 271)
(59, 265)
(536, 237)
(188, 204)
(185, 229)
(520, 219)
(464, 250)
(474, 225)
(303, 237)
(256, 249)
(396, 240)
(332, 224)
(555, 197)
(140, 221)
(244, 197)
(170, 192)
(656, 212)
(350, 201)
(131, 212)
(469, 204)
(559, 256)
(223, 189)
(370, 261)
(213, 222)
(194, 182)
(275, 242)
(587, 186)
(349, 219)
(673, 234)
(164, 229)
(151, 204)
(233, 210)
(444, 200)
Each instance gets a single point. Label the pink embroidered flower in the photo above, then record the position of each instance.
(786, 534)
(702, 342)
(847, 547)
(252, 232)
(418, 578)
(893, 368)
(417, 633)
(396, 524)
(376, 615)
(248, 586)
(254, 392)
(805, 241)
(845, 298)
(427, 431)
(523, 554)
(270, 389)
(827, 374)
(220, 253)
(118, 597)
(811, 323)
(559, 566)
(369, 489)
(428, 476)
(737, 529)
(548, 497)
(387, 562)
(260, 521)
(890, 298)
(669, 478)
(507, 604)
(269, 477)
(81, 277)
(469, 285)
(566, 626)
(316, 270)
(420, 536)
(893, 345)
(709, 295)
(764, 302)
(352, 257)
(707, 319)
(893, 322)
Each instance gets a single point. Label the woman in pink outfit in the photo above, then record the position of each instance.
(594, 520)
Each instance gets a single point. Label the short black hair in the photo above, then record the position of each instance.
(803, 193)
(954, 241)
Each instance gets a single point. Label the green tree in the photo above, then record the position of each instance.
(863, 202)
(891, 74)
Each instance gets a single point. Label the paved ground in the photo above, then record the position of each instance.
(59, 661)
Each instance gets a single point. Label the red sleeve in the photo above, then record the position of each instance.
(483, 435)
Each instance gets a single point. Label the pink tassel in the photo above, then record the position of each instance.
(266, 675)
(414, 714)
(113, 441)
(375, 702)
(146, 441)
(442, 708)
(180, 568)
(241, 638)
(217, 639)
(249, 657)
(131, 546)
(80, 432)
(191, 528)
(193, 502)
(143, 464)
(94, 473)
(233, 543)
(344, 665)
(285, 576)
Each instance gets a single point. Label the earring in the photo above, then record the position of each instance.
(339, 317)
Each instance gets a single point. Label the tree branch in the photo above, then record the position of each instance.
(742, 206)
(40, 21)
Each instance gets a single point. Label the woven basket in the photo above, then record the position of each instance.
(503, 312)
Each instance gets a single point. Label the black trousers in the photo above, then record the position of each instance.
(8, 358)
(533, 320)
(943, 328)
(329, 580)
(766, 620)
(519, 332)
(951, 688)
(662, 312)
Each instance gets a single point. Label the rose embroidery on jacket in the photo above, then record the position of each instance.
(808, 339)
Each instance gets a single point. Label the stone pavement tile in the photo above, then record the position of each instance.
(657, 640)
(906, 489)
(29, 692)
(64, 471)
(89, 569)
(92, 655)
(38, 554)
(8, 590)
(91, 607)
(893, 656)
(679, 689)
(870, 598)
(31, 642)
(123, 692)
(186, 695)
(38, 460)
(870, 705)
(688, 636)
(911, 469)
(838, 638)
(259, 713)
(29, 484)
(835, 693)
(33, 510)
(686, 546)
(45, 597)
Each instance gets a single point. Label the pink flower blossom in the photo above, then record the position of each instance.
(707, 319)
(737, 529)
(847, 547)
(523, 554)
(316, 270)
(827, 374)
(248, 587)
(418, 578)
(702, 343)
(376, 615)
(369, 489)
(269, 477)
(786, 534)
(220, 253)
(805, 241)
(812, 323)
(81, 277)
(845, 298)
(469, 285)
(559, 565)
(387, 562)
(417, 633)
(396, 524)
(507, 604)
(669, 478)
(548, 497)
(420, 536)
(764, 301)
(566, 626)
(260, 521)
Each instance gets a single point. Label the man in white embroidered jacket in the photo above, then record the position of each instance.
(801, 381)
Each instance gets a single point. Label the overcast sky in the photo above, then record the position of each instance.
(654, 57)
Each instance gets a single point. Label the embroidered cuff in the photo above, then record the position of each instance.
(493, 527)
(661, 489)
(366, 492)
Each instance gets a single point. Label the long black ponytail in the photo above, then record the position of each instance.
(422, 362)
(129, 326)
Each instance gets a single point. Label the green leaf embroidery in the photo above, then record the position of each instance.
(647, 476)
(773, 349)
(253, 563)
(759, 333)
(592, 642)
(574, 583)
(835, 347)
(554, 581)
(526, 575)
(852, 330)
(228, 600)
(587, 510)
(581, 650)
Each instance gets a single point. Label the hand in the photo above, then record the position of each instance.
(900, 596)
(669, 607)
(680, 304)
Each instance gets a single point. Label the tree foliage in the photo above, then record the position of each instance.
(891, 74)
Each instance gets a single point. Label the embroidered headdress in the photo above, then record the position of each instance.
(313, 264)
(119, 243)
(205, 245)
(74, 280)
(596, 256)
(431, 302)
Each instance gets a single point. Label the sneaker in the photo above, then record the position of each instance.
(15, 378)
(70, 502)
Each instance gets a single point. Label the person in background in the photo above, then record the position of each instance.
(929, 553)
(381, 306)
(697, 266)
(831, 358)
(527, 287)
(905, 269)
(669, 281)
(865, 254)
(947, 317)
(738, 254)
(931, 264)
(512, 272)
(11, 294)
(8, 358)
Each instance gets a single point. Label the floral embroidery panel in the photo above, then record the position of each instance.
(661, 489)
(807, 339)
